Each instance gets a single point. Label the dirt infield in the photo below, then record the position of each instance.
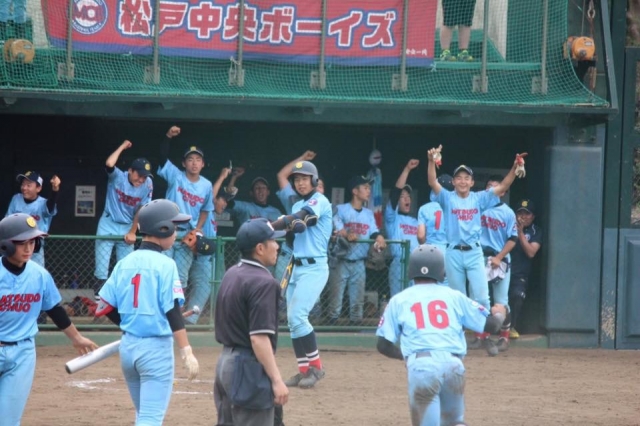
(524, 386)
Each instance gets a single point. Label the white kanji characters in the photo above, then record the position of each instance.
(344, 27)
(172, 14)
(135, 17)
(205, 19)
(232, 20)
(381, 35)
(276, 25)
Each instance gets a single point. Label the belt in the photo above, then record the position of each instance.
(425, 354)
(304, 261)
(464, 247)
(352, 260)
(2, 343)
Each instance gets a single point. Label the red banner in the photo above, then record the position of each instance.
(358, 32)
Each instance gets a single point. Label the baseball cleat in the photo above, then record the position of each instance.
(313, 375)
(294, 381)
(476, 343)
(490, 346)
(503, 344)
(513, 334)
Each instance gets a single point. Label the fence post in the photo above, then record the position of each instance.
(236, 72)
(319, 78)
(540, 84)
(481, 82)
(152, 73)
(66, 70)
(401, 81)
(406, 252)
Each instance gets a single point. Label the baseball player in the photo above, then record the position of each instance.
(126, 193)
(498, 238)
(310, 225)
(143, 296)
(354, 222)
(192, 192)
(41, 209)
(201, 272)
(400, 225)
(246, 318)
(431, 226)
(26, 288)
(428, 322)
(462, 209)
(527, 246)
(258, 207)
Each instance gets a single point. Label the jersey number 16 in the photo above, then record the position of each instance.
(437, 311)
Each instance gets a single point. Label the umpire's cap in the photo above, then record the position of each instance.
(426, 261)
(18, 227)
(158, 218)
(254, 232)
(306, 168)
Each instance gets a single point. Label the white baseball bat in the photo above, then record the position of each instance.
(103, 352)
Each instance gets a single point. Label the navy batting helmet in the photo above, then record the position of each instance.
(306, 168)
(158, 218)
(18, 227)
(426, 261)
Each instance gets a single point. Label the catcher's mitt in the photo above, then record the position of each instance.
(19, 50)
(198, 243)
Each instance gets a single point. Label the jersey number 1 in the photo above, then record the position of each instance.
(437, 311)
(135, 282)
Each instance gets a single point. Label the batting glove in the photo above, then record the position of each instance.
(190, 362)
(297, 226)
(311, 220)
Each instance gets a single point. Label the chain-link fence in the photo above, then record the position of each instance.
(354, 296)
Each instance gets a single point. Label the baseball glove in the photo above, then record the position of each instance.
(198, 243)
(19, 50)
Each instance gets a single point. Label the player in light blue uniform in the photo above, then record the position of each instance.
(192, 192)
(310, 227)
(30, 202)
(399, 225)
(498, 238)
(126, 193)
(26, 288)
(431, 227)
(428, 322)
(143, 296)
(462, 209)
(354, 222)
(201, 272)
(258, 207)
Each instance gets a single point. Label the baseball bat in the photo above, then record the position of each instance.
(284, 281)
(103, 352)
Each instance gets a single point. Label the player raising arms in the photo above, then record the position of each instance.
(26, 288)
(311, 223)
(143, 296)
(428, 320)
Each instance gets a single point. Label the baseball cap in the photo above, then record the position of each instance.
(407, 188)
(259, 179)
(462, 168)
(358, 180)
(194, 150)
(526, 205)
(142, 166)
(30, 175)
(446, 181)
(255, 231)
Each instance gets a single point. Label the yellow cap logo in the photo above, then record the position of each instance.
(193, 148)
(28, 174)
(31, 222)
(299, 165)
(525, 204)
(147, 166)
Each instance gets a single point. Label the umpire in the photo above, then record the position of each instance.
(248, 387)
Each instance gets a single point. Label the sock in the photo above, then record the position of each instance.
(311, 350)
(482, 336)
(504, 334)
(301, 356)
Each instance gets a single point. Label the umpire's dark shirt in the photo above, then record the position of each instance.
(247, 304)
(520, 262)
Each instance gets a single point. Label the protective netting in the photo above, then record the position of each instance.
(372, 50)
(355, 293)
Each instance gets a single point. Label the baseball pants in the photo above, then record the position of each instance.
(107, 227)
(17, 366)
(351, 274)
(201, 276)
(436, 389)
(461, 266)
(517, 294)
(305, 286)
(19, 11)
(147, 366)
(183, 257)
(228, 413)
(501, 288)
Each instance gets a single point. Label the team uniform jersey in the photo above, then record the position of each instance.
(191, 197)
(37, 209)
(462, 215)
(22, 297)
(123, 198)
(244, 211)
(429, 317)
(362, 223)
(400, 227)
(520, 262)
(210, 227)
(431, 216)
(314, 242)
(143, 287)
(498, 225)
(288, 197)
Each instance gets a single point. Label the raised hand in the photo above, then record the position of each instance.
(173, 132)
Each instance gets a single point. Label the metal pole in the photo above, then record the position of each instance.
(156, 42)
(240, 79)
(485, 41)
(545, 25)
(403, 60)
(66, 70)
(322, 80)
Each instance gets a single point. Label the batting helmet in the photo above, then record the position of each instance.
(18, 227)
(426, 261)
(158, 218)
(306, 168)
